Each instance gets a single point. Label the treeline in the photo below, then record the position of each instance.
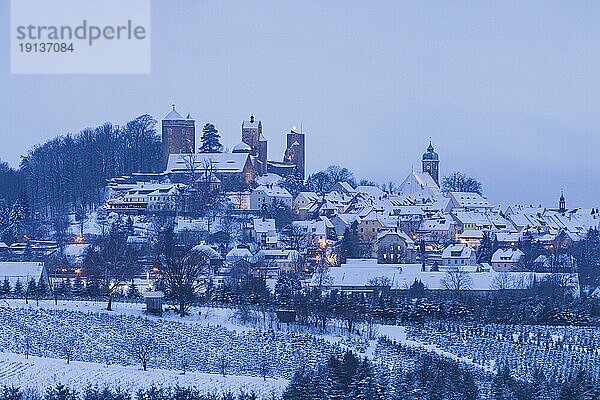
(62, 392)
(545, 303)
(68, 173)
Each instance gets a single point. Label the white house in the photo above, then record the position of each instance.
(263, 228)
(507, 260)
(266, 195)
(458, 254)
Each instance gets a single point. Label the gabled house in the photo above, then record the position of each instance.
(507, 260)
(394, 247)
(458, 254)
(264, 196)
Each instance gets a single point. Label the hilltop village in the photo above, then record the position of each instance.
(258, 218)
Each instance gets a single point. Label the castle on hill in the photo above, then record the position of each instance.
(247, 160)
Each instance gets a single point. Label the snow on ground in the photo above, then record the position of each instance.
(39, 373)
(398, 333)
(207, 316)
(199, 341)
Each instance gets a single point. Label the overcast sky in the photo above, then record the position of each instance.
(507, 91)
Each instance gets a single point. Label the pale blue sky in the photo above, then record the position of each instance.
(508, 91)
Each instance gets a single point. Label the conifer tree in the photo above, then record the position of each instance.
(210, 140)
(18, 290)
(5, 288)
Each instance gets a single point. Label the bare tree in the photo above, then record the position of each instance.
(294, 237)
(502, 281)
(182, 276)
(142, 349)
(457, 280)
(223, 363)
(27, 342)
(263, 366)
(459, 182)
(114, 264)
(67, 346)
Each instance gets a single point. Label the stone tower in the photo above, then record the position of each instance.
(253, 137)
(295, 152)
(178, 135)
(431, 163)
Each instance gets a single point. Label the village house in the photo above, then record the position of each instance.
(458, 255)
(264, 196)
(394, 247)
(507, 260)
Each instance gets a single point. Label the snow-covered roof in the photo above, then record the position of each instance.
(469, 200)
(153, 295)
(441, 224)
(371, 191)
(360, 272)
(22, 271)
(219, 162)
(419, 184)
(344, 187)
(459, 251)
(207, 251)
(392, 232)
(278, 255)
(238, 253)
(507, 255)
(263, 225)
(273, 191)
(190, 224)
(507, 237)
(252, 123)
(241, 147)
(471, 234)
(269, 179)
(173, 115)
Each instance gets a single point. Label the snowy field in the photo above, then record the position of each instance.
(557, 351)
(39, 373)
(104, 344)
(210, 341)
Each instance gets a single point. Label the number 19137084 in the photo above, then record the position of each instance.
(46, 47)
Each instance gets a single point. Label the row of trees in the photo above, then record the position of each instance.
(95, 392)
(69, 173)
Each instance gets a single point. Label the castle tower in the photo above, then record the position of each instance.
(295, 152)
(431, 163)
(178, 135)
(253, 137)
(562, 204)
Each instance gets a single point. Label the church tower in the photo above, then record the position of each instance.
(562, 204)
(295, 152)
(431, 163)
(178, 135)
(253, 137)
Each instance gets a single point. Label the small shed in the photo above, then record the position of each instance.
(286, 316)
(154, 302)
